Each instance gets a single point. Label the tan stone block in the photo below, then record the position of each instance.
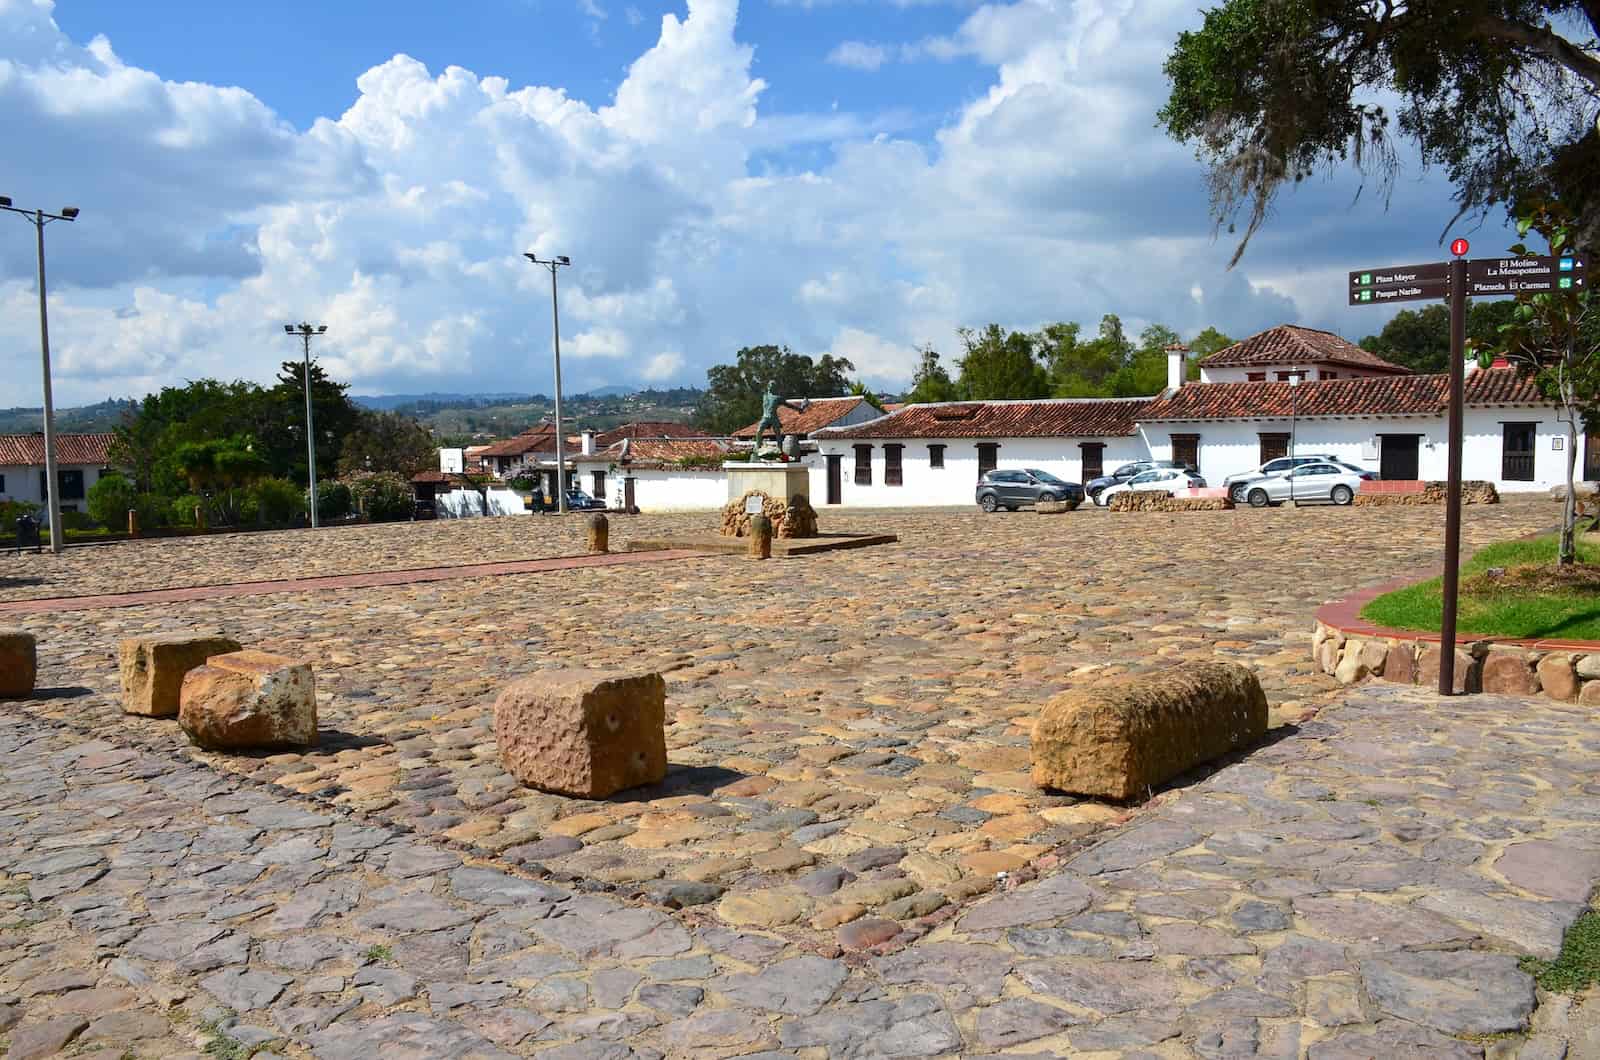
(1002, 803)
(1558, 676)
(585, 733)
(19, 664)
(1589, 695)
(578, 824)
(834, 915)
(152, 669)
(1374, 653)
(783, 859)
(249, 700)
(989, 862)
(1121, 737)
(1508, 671)
(928, 870)
(771, 908)
(1013, 826)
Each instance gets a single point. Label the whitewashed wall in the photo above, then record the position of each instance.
(1312, 370)
(670, 490)
(956, 482)
(1231, 446)
(22, 484)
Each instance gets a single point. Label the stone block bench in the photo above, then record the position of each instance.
(19, 663)
(152, 669)
(248, 701)
(585, 733)
(1121, 737)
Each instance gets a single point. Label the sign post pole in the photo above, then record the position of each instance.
(1452, 496)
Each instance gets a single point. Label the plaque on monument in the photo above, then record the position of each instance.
(752, 506)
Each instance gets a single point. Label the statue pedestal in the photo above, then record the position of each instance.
(778, 480)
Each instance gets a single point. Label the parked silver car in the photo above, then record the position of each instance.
(1237, 484)
(1325, 480)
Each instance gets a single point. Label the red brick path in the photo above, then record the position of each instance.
(338, 581)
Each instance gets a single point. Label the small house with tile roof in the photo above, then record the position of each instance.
(1288, 349)
(663, 474)
(80, 461)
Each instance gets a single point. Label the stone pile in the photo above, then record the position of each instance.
(249, 700)
(1152, 501)
(1056, 507)
(1121, 737)
(1481, 665)
(585, 733)
(793, 519)
(19, 664)
(1475, 491)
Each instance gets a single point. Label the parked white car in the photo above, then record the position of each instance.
(1237, 484)
(1160, 480)
(1334, 483)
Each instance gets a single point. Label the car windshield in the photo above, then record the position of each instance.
(1045, 477)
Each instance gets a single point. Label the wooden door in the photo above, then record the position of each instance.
(1516, 452)
(988, 457)
(1273, 446)
(627, 493)
(1186, 451)
(1397, 458)
(1591, 458)
(1094, 460)
(835, 479)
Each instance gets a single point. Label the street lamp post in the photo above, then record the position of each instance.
(38, 218)
(552, 264)
(305, 331)
(1294, 409)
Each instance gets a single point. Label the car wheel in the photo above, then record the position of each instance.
(1341, 495)
(988, 503)
(1048, 498)
(1239, 493)
(1258, 498)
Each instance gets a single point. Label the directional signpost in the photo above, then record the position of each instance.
(1459, 280)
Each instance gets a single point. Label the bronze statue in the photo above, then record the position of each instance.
(769, 417)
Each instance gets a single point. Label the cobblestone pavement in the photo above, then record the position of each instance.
(1361, 887)
(854, 717)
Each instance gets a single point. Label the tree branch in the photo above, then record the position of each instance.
(1541, 39)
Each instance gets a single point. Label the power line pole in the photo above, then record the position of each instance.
(305, 331)
(38, 218)
(555, 320)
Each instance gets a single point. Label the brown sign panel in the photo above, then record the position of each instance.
(1488, 277)
(1382, 294)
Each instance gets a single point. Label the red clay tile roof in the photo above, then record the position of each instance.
(535, 439)
(1288, 343)
(1411, 395)
(820, 413)
(648, 429)
(27, 450)
(1051, 418)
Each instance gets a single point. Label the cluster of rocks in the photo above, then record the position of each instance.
(1056, 507)
(793, 519)
(1121, 737)
(1481, 665)
(1474, 491)
(1152, 501)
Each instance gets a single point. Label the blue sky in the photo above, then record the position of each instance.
(846, 176)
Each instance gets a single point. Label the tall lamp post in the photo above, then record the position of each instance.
(305, 331)
(552, 264)
(1294, 410)
(38, 218)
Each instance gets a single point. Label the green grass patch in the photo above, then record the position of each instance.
(379, 954)
(1573, 614)
(1578, 963)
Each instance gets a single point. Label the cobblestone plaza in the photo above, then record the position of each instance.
(847, 857)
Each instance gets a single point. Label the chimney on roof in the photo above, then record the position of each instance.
(588, 441)
(1177, 365)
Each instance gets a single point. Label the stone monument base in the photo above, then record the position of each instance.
(779, 490)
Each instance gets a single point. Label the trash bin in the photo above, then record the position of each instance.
(27, 532)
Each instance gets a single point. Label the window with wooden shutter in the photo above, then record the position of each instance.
(892, 471)
(988, 457)
(1255, 377)
(936, 456)
(1273, 446)
(863, 465)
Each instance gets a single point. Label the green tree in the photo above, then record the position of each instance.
(1208, 342)
(1000, 364)
(930, 382)
(862, 390)
(1554, 337)
(220, 471)
(282, 433)
(387, 441)
(733, 391)
(1500, 93)
(110, 499)
(1419, 339)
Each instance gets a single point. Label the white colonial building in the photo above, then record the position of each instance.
(80, 461)
(1318, 394)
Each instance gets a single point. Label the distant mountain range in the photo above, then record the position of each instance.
(390, 402)
(98, 418)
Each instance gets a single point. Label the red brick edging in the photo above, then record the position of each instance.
(337, 581)
(1345, 616)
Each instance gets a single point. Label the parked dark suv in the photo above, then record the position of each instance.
(1123, 474)
(1013, 489)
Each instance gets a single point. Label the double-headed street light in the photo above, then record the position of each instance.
(552, 264)
(305, 331)
(38, 218)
